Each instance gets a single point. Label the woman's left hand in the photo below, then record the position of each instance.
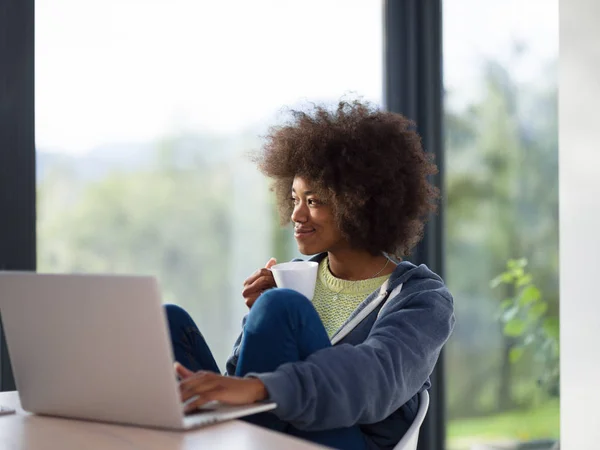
(210, 386)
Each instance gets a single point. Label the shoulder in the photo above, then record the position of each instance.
(411, 285)
(418, 278)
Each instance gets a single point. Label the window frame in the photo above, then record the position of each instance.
(17, 150)
(413, 86)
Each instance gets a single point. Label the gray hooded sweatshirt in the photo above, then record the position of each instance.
(380, 360)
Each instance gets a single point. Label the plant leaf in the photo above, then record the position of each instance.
(513, 264)
(515, 354)
(525, 279)
(518, 273)
(529, 295)
(496, 282)
(551, 327)
(537, 310)
(510, 314)
(505, 277)
(506, 303)
(514, 328)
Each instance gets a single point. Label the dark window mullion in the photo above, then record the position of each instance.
(17, 149)
(413, 86)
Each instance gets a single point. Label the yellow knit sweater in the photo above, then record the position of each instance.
(335, 299)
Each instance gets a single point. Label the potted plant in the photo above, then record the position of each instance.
(524, 318)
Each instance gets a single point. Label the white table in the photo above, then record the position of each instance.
(24, 431)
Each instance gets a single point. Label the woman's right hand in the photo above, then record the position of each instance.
(258, 282)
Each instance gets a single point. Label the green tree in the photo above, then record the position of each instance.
(171, 219)
(502, 203)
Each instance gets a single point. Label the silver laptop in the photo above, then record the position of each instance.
(97, 347)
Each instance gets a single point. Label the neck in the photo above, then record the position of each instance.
(357, 265)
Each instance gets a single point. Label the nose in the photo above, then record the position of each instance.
(300, 213)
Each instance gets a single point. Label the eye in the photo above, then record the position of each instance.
(313, 202)
(294, 200)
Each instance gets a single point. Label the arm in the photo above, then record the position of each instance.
(346, 385)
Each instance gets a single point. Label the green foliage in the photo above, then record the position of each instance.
(501, 200)
(542, 422)
(188, 209)
(166, 218)
(523, 316)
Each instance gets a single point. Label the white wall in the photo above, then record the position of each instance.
(579, 98)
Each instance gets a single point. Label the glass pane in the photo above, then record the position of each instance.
(145, 112)
(500, 68)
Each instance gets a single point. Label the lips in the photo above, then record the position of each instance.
(300, 233)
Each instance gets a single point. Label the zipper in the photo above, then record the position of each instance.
(346, 329)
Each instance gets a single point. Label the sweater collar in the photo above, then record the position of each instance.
(403, 271)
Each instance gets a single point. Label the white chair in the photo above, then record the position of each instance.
(411, 437)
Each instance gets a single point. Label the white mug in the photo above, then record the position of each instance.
(301, 276)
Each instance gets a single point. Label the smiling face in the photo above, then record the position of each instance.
(315, 229)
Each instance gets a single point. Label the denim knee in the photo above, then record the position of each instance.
(280, 299)
(276, 306)
(176, 315)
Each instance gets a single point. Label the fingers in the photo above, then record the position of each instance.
(259, 286)
(199, 384)
(261, 272)
(198, 402)
(252, 292)
(205, 387)
(256, 275)
(182, 372)
(258, 282)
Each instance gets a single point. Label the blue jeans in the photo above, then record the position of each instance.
(282, 326)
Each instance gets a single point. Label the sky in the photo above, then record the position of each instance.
(116, 71)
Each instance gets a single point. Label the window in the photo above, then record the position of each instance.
(500, 68)
(145, 112)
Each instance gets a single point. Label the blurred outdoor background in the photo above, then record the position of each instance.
(145, 112)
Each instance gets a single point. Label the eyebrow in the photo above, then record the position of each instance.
(305, 192)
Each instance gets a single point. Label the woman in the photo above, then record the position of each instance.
(345, 369)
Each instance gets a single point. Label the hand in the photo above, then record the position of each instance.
(210, 386)
(182, 371)
(258, 282)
